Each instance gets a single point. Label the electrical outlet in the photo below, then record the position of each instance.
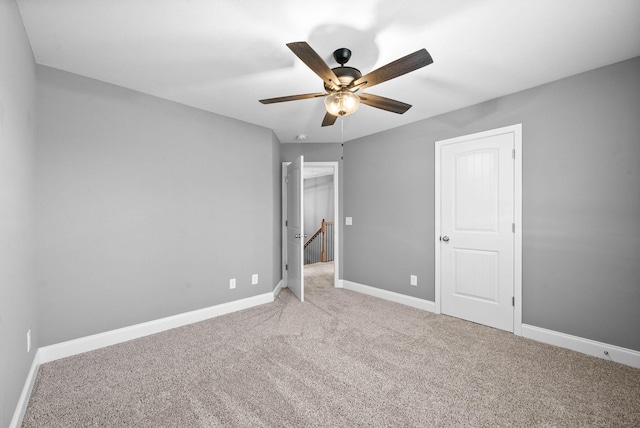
(28, 340)
(414, 280)
(254, 279)
(232, 283)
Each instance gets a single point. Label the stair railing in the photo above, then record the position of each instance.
(319, 248)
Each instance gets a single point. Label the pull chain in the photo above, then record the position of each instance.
(342, 136)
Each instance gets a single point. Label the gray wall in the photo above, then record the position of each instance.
(146, 208)
(313, 152)
(581, 202)
(17, 282)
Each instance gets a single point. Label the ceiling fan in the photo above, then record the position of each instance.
(342, 83)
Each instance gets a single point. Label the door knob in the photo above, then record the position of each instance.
(444, 238)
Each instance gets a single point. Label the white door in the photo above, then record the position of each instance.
(476, 233)
(295, 229)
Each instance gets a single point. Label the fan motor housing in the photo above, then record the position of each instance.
(345, 75)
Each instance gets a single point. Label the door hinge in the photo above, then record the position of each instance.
(286, 222)
(513, 153)
(286, 267)
(513, 227)
(513, 301)
(286, 179)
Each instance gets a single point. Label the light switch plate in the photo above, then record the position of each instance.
(348, 221)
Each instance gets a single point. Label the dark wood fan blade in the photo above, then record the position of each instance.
(293, 98)
(314, 62)
(329, 119)
(384, 103)
(394, 69)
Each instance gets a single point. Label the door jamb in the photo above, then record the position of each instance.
(336, 199)
(517, 212)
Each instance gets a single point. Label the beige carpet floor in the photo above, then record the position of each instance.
(340, 359)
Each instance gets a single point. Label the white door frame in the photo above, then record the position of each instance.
(336, 228)
(517, 260)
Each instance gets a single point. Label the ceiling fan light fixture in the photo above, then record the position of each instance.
(342, 103)
(342, 83)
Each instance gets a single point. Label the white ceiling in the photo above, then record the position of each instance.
(225, 55)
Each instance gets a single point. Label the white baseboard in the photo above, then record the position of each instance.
(101, 340)
(620, 355)
(69, 348)
(391, 296)
(278, 288)
(73, 347)
(23, 401)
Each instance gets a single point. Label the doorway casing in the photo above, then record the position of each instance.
(336, 198)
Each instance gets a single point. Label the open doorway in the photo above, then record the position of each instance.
(319, 226)
(321, 181)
